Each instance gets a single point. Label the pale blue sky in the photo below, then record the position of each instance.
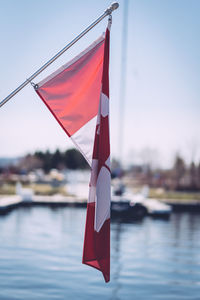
(162, 105)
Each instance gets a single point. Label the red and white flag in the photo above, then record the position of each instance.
(78, 96)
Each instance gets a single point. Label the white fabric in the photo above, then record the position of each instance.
(104, 105)
(84, 139)
(93, 181)
(102, 212)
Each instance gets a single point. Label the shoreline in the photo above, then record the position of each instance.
(9, 202)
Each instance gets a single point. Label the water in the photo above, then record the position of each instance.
(41, 249)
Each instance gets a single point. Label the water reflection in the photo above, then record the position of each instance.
(41, 249)
(116, 263)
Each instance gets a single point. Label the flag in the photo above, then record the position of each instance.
(78, 96)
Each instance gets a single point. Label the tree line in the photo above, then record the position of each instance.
(70, 159)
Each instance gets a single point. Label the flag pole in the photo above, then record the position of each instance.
(107, 12)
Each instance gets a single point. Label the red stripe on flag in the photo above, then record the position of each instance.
(96, 251)
(105, 78)
(104, 142)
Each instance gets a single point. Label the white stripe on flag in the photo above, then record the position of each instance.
(102, 212)
(84, 139)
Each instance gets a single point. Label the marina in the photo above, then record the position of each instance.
(100, 155)
(121, 206)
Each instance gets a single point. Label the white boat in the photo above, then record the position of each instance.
(154, 207)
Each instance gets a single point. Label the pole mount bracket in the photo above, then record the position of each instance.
(111, 8)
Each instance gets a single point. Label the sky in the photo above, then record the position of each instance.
(161, 82)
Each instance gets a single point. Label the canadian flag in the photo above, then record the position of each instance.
(78, 96)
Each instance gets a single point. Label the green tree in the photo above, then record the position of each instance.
(57, 159)
(179, 169)
(74, 160)
(47, 161)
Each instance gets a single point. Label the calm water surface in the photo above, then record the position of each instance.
(41, 249)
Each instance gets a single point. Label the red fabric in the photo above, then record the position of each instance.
(72, 95)
(97, 244)
(105, 78)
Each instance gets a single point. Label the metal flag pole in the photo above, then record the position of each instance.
(123, 81)
(107, 12)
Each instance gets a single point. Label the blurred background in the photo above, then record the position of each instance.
(155, 149)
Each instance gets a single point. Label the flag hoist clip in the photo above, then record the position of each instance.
(109, 21)
(107, 12)
(31, 82)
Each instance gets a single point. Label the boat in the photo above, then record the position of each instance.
(154, 207)
(123, 207)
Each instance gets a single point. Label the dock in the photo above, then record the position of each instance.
(183, 205)
(59, 200)
(9, 202)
